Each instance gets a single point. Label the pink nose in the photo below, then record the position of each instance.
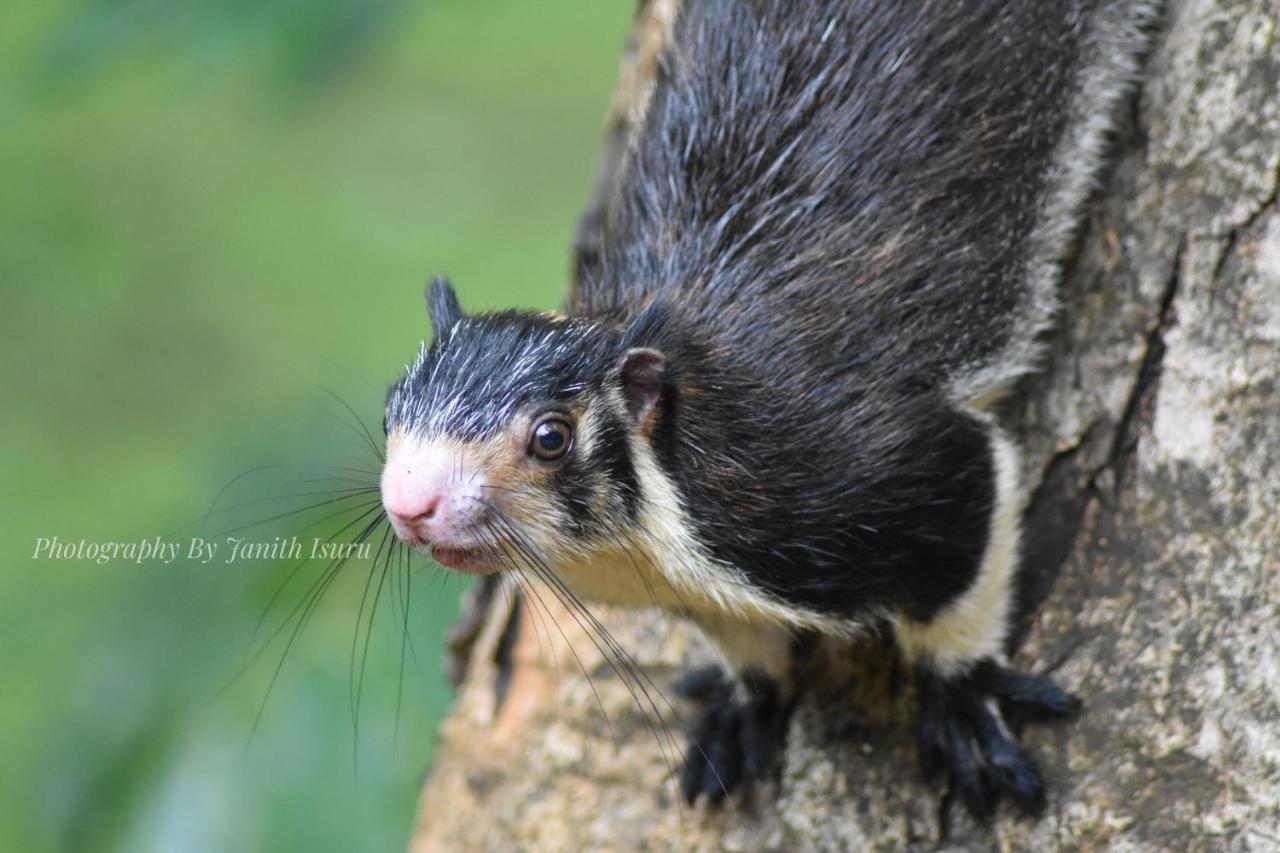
(415, 504)
(431, 494)
(409, 505)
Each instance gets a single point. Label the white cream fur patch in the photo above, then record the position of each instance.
(661, 564)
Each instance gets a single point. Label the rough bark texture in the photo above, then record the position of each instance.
(1154, 547)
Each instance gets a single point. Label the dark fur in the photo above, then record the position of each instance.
(824, 222)
(818, 235)
(836, 229)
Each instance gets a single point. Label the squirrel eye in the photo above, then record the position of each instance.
(551, 439)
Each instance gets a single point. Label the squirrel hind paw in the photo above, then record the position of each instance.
(962, 733)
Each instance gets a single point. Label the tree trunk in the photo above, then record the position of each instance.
(1153, 547)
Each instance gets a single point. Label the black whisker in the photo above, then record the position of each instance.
(368, 437)
(347, 491)
(294, 512)
(676, 591)
(486, 537)
(355, 682)
(312, 601)
(402, 564)
(251, 654)
(628, 670)
(368, 635)
(199, 523)
(534, 595)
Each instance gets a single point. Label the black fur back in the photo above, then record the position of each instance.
(826, 214)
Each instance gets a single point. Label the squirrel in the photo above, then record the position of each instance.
(833, 245)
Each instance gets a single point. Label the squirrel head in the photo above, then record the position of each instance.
(512, 436)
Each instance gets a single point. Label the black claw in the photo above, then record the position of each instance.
(691, 775)
(1024, 785)
(959, 730)
(695, 756)
(967, 774)
(724, 761)
(1013, 771)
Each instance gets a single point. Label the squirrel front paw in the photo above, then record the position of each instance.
(738, 735)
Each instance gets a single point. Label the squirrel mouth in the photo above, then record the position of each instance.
(471, 561)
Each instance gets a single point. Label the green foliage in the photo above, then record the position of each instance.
(213, 211)
(294, 38)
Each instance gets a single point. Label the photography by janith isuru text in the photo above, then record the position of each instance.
(230, 549)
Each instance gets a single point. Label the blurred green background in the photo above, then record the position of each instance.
(210, 213)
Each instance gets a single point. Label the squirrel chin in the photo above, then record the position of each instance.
(469, 561)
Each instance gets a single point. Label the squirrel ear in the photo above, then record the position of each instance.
(642, 371)
(442, 306)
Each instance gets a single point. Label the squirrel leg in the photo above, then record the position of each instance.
(463, 633)
(967, 695)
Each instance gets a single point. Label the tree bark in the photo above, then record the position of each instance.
(1153, 443)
